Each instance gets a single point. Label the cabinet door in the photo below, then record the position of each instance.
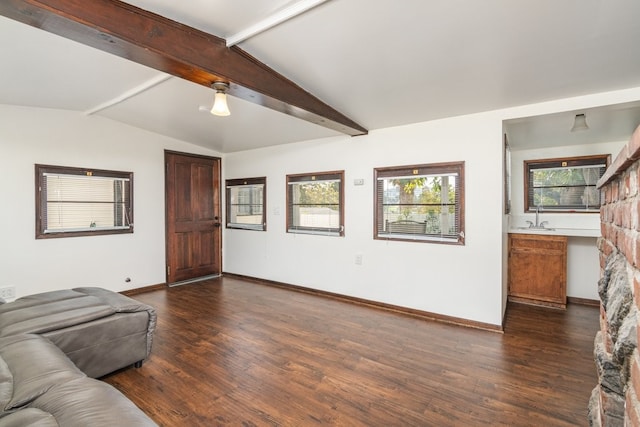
(537, 268)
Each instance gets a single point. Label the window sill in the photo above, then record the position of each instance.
(245, 227)
(317, 232)
(422, 239)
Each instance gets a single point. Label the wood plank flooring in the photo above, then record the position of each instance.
(229, 352)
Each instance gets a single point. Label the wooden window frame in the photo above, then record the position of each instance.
(560, 162)
(242, 182)
(506, 175)
(422, 169)
(41, 200)
(316, 176)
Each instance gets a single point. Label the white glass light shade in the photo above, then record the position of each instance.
(580, 123)
(220, 107)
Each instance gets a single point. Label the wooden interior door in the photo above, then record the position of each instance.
(193, 238)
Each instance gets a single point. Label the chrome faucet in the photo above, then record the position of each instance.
(537, 224)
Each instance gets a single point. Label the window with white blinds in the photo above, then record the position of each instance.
(315, 203)
(79, 202)
(565, 184)
(246, 203)
(420, 203)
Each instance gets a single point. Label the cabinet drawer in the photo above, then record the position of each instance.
(532, 241)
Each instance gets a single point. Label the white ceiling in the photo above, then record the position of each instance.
(609, 123)
(380, 62)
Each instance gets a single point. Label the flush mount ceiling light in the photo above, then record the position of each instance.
(579, 123)
(220, 107)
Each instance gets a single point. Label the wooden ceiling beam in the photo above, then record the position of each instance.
(157, 42)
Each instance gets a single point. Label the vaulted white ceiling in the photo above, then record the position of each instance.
(380, 62)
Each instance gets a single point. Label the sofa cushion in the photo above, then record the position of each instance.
(36, 365)
(104, 345)
(87, 402)
(37, 299)
(6, 384)
(120, 303)
(123, 304)
(29, 417)
(50, 315)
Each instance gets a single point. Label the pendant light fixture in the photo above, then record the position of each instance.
(580, 123)
(220, 107)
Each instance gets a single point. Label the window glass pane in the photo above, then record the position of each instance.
(315, 204)
(80, 203)
(246, 203)
(565, 188)
(413, 204)
(419, 205)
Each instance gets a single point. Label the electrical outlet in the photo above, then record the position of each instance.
(358, 259)
(8, 292)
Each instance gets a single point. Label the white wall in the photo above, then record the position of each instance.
(583, 267)
(29, 136)
(460, 281)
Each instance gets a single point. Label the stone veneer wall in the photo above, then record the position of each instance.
(614, 400)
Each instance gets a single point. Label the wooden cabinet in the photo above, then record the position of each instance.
(538, 269)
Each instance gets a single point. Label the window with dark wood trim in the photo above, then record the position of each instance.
(315, 203)
(506, 174)
(564, 184)
(247, 203)
(423, 203)
(82, 202)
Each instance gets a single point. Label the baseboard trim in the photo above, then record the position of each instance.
(583, 301)
(197, 279)
(374, 304)
(161, 286)
(150, 288)
(537, 303)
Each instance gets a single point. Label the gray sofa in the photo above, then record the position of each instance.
(52, 344)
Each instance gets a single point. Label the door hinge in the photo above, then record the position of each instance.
(168, 270)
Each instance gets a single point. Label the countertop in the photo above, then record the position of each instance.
(570, 232)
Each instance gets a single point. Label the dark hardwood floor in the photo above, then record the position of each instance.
(238, 353)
